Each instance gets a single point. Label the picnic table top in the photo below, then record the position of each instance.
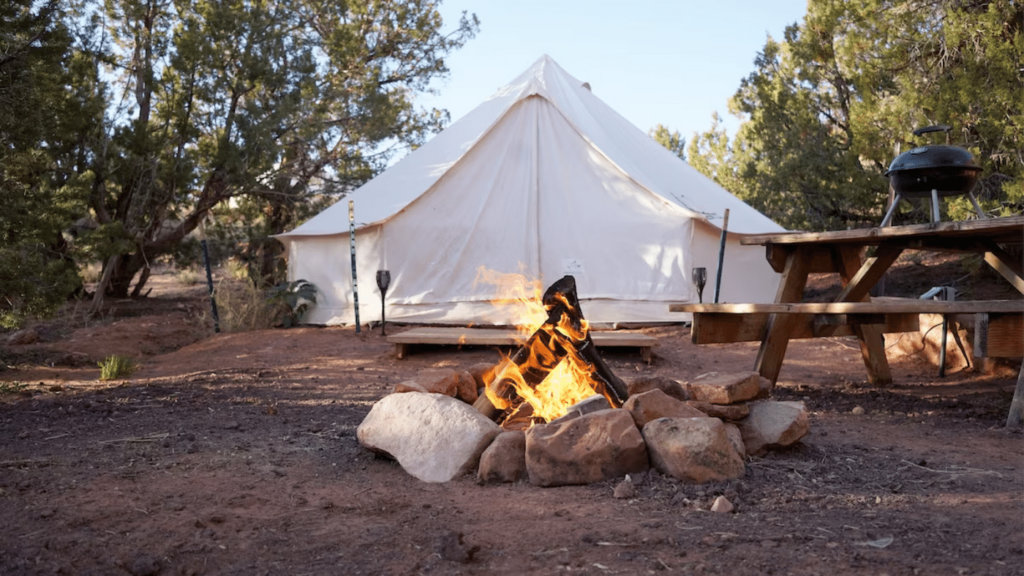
(1008, 230)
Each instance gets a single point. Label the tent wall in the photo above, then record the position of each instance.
(324, 260)
(542, 179)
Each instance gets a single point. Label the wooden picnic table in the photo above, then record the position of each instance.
(853, 312)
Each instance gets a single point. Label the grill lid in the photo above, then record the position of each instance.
(935, 156)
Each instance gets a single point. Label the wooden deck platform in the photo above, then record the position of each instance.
(446, 336)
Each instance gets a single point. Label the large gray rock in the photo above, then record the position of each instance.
(592, 448)
(725, 388)
(692, 449)
(505, 459)
(773, 424)
(655, 404)
(434, 437)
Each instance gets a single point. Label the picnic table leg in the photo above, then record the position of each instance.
(872, 343)
(780, 326)
(1016, 417)
(1009, 267)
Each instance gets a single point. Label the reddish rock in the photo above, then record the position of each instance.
(655, 404)
(410, 386)
(669, 386)
(736, 438)
(439, 381)
(505, 459)
(482, 373)
(692, 449)
(722, 411)
(592, 448)
(725, 388)
(465, 388)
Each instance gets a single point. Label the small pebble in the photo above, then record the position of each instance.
(858, 410)
(625, 489)
(722, 505)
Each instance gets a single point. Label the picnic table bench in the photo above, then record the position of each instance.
(853, 312)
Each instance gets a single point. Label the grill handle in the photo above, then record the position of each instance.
(937, 128)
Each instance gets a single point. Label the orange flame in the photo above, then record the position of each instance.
(569, 381)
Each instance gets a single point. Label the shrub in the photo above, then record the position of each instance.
(242, 307)
(294, 298)
(14, 387)
(116, 367)
(188, 276)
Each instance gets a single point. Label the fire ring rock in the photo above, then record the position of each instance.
(591, 448)
(773, 424)
(434, 437)
(692, 449)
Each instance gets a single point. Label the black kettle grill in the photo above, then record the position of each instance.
(933, 171)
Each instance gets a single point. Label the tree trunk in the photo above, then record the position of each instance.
(141, 283)
(125, 269)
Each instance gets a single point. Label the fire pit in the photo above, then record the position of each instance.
(554, 412)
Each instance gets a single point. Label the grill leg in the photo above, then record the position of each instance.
(977, 207)
(935, 206)
(892, 210)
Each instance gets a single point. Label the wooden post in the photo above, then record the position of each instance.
(1016, 417)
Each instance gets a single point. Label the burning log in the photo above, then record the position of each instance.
(565, 333)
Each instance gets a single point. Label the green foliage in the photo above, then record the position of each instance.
(39, 145)
(296, 298)
(13, 387)
(671, 140)
(116, 367)
(243, 306)
(144, 116)
(826, 109)
(268, 103)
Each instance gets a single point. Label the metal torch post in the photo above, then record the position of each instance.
(721, 255)
(352, 250)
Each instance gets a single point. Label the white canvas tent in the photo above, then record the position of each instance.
(545, 179)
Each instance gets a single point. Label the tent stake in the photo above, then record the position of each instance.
(721, 255)
(352, 250)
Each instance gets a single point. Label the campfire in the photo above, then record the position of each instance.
(557, 367)
(554, 412)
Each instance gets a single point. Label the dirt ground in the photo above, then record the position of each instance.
(236, 454)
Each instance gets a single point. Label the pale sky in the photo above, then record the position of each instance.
(653, 61)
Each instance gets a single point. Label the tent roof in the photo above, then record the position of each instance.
(630, 149)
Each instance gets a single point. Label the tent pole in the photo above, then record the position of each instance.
(721, 255)
(352, 250)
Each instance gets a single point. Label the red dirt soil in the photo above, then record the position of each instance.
(236, 454)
